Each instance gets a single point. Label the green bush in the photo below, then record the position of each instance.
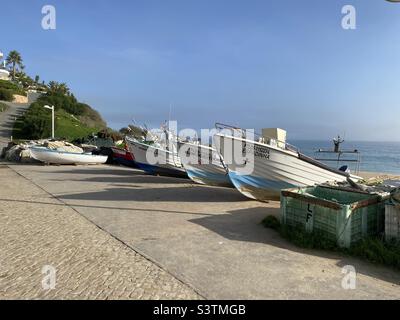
(303, 239)
(35, 123)
(73, 119)
(14, 88)
(5, 84)
(71, 105)
(271, 222)
(371, 249)
(377, 251)
(68, 103)
(6, 95)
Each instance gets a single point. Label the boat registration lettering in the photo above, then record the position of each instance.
(256, 150)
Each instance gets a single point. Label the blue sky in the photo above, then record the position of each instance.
(270, 63)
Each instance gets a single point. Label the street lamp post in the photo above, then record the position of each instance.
(52, 119)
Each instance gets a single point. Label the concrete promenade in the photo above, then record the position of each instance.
(113, 232)
(40, 232)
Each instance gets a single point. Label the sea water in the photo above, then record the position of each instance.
(382, 157)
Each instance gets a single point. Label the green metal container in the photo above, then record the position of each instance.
(392, 220)
(338, 214)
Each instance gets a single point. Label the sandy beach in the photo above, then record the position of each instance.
(378, 175)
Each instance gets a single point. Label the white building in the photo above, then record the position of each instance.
(4, 74)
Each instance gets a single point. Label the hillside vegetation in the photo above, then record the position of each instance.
(36, 124)
(73, 119)
(8, 89)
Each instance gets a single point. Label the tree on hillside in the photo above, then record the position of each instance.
(14, 59)
(24, 80)
(58, 88)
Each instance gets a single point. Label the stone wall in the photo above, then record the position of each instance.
(20, 99)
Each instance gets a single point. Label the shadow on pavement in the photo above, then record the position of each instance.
(189, 193)
(245, 225)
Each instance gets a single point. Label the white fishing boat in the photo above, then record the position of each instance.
(203, 164)
(51, 156)
(155, 158)
(269, 164)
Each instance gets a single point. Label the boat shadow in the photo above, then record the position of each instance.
(108, 174)
(128, 180)
(163, 193)
(245, 225)
(124, 176)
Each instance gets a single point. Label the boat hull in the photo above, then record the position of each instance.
(58, 157)
(272, 169)
(204, 165)
(123, 157)
(172, 166)
(205, 176)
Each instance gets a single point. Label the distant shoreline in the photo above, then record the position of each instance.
(383, 175)
(293, 141)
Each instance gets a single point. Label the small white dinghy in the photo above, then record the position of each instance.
(51, 156)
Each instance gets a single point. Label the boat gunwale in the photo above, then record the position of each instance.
(295, 154)
(149, 146)
(45, 149)
(173, 154)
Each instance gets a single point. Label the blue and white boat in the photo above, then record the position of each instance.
(169, 162)
(270, 165)
(204, 165)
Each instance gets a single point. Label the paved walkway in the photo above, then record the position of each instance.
(208, 237)
(38, 230)
(7, 119)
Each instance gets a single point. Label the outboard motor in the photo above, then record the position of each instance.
(344, 169)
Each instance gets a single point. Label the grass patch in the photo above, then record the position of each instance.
(377, 251)
(70, 128)
(374, 250)
(85, 113)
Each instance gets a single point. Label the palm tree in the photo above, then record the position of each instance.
(14, 58)
(58, 88)
(64, 88)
